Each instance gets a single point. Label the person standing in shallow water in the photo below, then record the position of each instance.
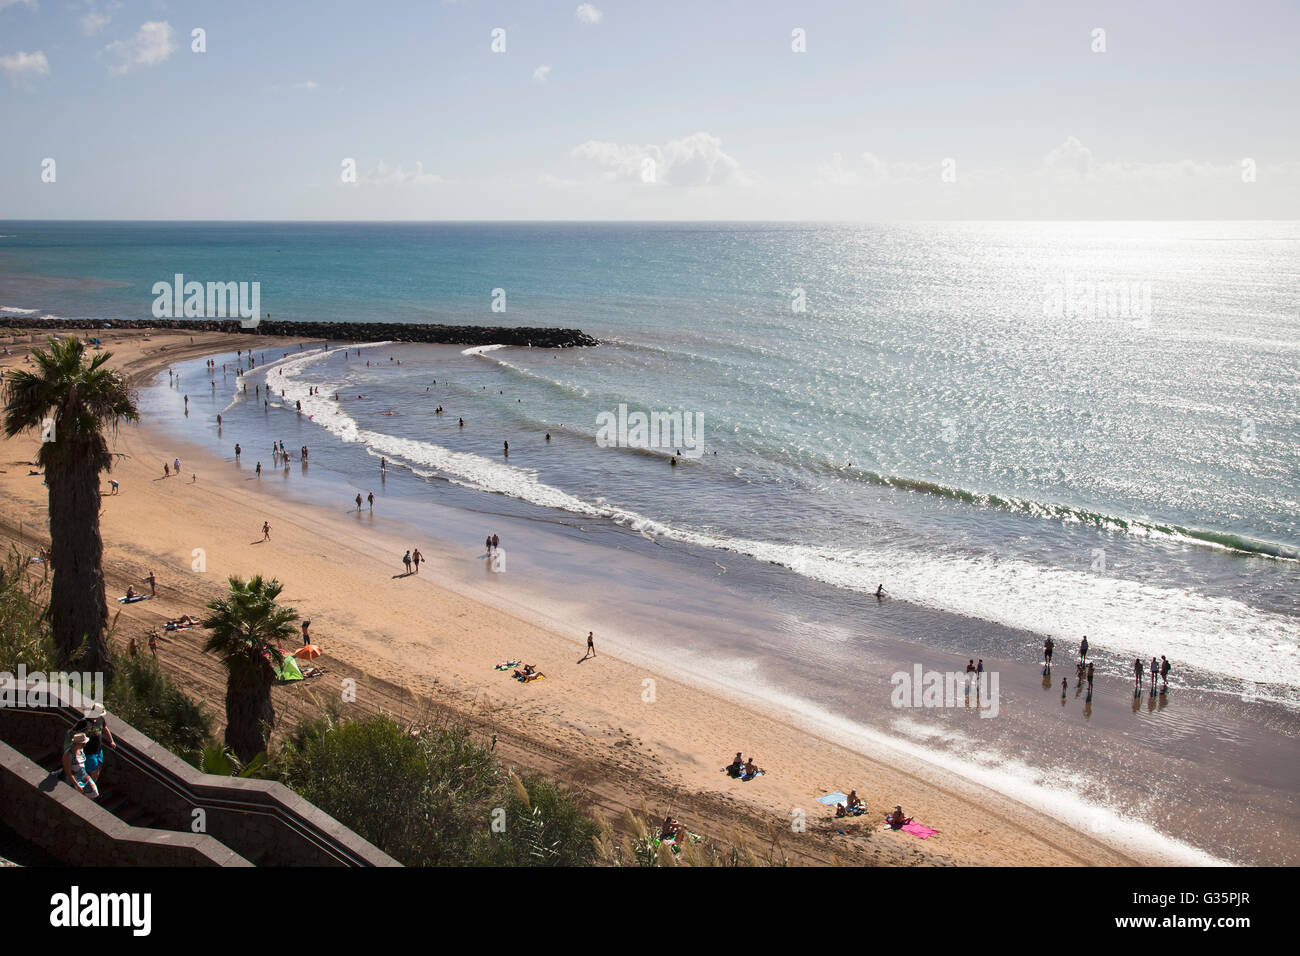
(496, 543)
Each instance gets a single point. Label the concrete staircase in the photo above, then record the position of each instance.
(154, 809)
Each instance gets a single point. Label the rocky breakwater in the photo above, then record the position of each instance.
(331, 331)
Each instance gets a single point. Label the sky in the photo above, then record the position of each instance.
(662, 110)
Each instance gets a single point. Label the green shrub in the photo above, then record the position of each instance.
(24, 630)
(429, 796)
(143, 696)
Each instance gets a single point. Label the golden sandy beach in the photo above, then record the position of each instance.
(415, 647)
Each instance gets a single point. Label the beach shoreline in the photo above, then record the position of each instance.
(589, 724)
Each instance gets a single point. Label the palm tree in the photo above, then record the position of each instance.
(74, 402)
(247, 627)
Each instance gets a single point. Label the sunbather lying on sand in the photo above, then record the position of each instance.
(183, 621)
(529, 673)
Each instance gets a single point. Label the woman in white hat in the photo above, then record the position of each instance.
(74, 767)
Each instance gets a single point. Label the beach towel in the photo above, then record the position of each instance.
(917, 829)
(833, 799)
(138, 597)
(672, 843)
(506, 666)
(748, 777)
(530, 678)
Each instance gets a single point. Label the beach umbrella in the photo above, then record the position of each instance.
(308, 652)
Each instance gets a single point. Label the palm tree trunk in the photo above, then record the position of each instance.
(249, 717)
(78, 612)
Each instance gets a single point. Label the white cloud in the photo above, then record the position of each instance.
(97, 16)
(695, 160)
(1071, 156)
(381, 175)
(586, 13)
(24, 66)
(542, 73)
(154, 42)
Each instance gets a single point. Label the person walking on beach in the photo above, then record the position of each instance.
(176, 464)
(1064, 684)
(259, 469)
(406, 560)
(1155, 673)
(238, 450)
(1048, 645)
(305, 639)
(153, 643)
(489, 544)
(1164, 674)
(371, 498)
(591, 645)
(152, 580)
(416, 558)
(266, 527)
(496, 543)
(1137, 673)
(1083, 648)
(358, 501)
(167, 470)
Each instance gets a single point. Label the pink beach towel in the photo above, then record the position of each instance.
(917, 829)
